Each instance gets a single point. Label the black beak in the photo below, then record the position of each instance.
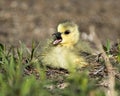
(57, 38)
(57, 35)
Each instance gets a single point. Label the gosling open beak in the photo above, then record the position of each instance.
(57, 38)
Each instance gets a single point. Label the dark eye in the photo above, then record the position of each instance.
(67, 32)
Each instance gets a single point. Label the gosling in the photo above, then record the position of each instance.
(65, 49)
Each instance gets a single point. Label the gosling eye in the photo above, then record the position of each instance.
(67, 32)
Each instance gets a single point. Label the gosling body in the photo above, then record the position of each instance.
(64, 51)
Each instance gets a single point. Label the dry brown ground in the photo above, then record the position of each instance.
(28, 20)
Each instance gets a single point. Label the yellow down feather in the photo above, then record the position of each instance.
(65, 48)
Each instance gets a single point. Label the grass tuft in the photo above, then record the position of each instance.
(21, 74)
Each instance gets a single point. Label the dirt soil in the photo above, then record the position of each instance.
(28, 20)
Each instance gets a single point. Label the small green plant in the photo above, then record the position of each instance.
(22, 75)
(80, 85)
(13, 81)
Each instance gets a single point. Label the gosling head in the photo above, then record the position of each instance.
(67, 35)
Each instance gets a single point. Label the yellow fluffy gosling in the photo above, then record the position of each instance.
(65, 50)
